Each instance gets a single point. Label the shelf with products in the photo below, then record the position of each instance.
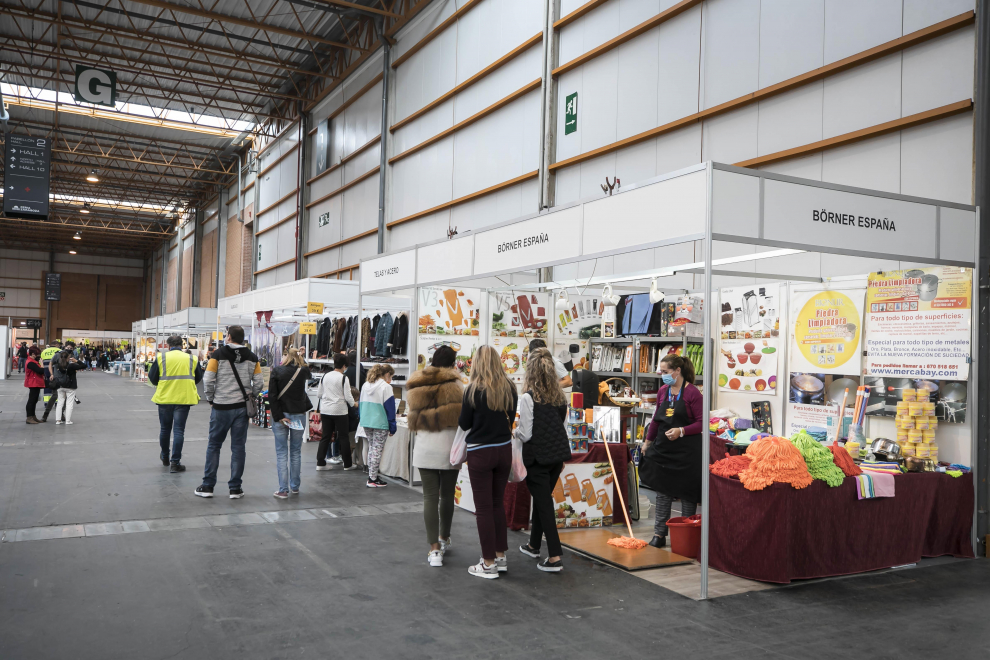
(611, 340)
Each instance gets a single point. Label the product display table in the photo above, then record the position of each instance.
(395, 455)
(518, 499)
(781, 533)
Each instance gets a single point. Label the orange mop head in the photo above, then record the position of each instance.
(730, 466)
(774, 459)
(844, 461)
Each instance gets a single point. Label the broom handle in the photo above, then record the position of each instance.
(859, 400)
(842, 416)
(622, 501)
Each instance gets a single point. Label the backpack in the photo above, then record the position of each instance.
(60, 377)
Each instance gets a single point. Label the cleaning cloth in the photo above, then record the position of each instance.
(818, 459)
(774, 459)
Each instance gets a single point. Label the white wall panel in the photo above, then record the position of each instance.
(354, 252)
(679, 149)
(679, 57)
(286, 240)
(599, 104)
(567, 186)
(593, 173)
(591, 30)
(792, 36)
(524, 69)
(637, 163)
(922, 13)
(268, 245)
(491, 30)
(329, 233)
(939, 72)
(422, 180)
(513, 202)
(937, 159)
(362, 164)
(428, 228)
(852, 26)
(874, 163)
(808, 167)
(791, 119)
(423, 24)
(864, 96)
(426, 126)
(324, 262)
(732, 49)
(288, 175)
(432, 71)
(268, 192)
(360, 207)
(637, 88)
(731, 137)
(284, 274)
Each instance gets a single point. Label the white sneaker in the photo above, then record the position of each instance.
(435, 558)
(444, 546)
(502, 563)
(70, 423)
(482, 571)
(57, 422)
(322, 468)
(336, 460)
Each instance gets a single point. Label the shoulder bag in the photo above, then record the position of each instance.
(287, 386)
(251, 404)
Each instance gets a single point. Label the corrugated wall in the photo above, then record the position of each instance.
(275, 226)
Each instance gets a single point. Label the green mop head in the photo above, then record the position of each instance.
(818, 458)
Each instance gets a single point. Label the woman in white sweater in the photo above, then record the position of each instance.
(335, 397)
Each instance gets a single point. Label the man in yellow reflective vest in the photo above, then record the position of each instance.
(174, 375)
(51, 398)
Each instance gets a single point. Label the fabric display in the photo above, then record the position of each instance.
(730, 466)
(886, 467)
(877, 484)
(844, 461)
(774, 459)
(818, 459)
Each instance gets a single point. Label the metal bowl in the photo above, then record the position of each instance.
(888, 448)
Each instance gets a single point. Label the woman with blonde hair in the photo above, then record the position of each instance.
(376, 407)
(290, 403)
(542, 411)
(487, 413)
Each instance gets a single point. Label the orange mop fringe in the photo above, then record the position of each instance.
(730, 466)
(774, 459)
(844, 461)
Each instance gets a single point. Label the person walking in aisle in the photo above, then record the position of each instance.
(674, 445)
(63, 368)
(542, 411)
(34, 380)
(376, 408)
(334, 393)
(434, 396)
(22, 354)
(46, 360)
(290, 403)
(174, 375)
(233, 376)
(487, 412)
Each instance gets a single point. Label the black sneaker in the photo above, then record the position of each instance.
(658, 541)
(377, 483)
(164, 458)
(236, 493)
(204, 491)
(528, 550)
(176, 467)
(550, 567)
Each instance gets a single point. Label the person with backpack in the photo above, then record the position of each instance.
(231, 384)
(34, 380)
(174, 375)
(335, 404)
(64, 367)
(289, 404)
(542, 411)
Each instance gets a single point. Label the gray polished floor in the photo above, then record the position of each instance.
(107, 555)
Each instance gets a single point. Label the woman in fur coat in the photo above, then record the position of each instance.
(434, 396)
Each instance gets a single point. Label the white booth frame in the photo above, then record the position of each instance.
(707, 202)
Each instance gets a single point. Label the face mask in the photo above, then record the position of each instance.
(668, 379)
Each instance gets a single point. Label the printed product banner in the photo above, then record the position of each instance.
(827, 331)
(918, 323)
(449, 317)
(814, 400)
(750, 335)
(575, 326)
(582, 495)
(519, 314)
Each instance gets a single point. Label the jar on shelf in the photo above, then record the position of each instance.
(909, 394)
(916, 408)
(921, 423)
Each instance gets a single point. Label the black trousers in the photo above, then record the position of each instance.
(541, 479)
(52, 400)
(32, 404)
(334, 424)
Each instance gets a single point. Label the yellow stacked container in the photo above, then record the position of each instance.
(909, 394)
(921, 450)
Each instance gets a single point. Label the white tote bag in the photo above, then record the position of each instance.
(458, 450)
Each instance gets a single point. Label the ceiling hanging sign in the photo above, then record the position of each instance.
(389, 272)
(529, 244)
(322, 147)
(26, 180)
(95, 86)
(845, 221)
(53, 286)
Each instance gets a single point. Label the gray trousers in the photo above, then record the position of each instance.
(663, 512)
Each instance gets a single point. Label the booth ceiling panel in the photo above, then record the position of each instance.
(736, 204)
(732, 50)
(791, 39)
(957, 234)
(852, 26)
(865, 96)
(446, 261)
(938, 72)
(921, 13)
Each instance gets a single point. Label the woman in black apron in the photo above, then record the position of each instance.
(671, 464)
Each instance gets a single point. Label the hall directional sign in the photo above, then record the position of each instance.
(26, 176)
(95, 86)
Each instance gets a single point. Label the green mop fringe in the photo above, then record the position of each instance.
(818, 458)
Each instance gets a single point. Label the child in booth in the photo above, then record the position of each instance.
(376, 408)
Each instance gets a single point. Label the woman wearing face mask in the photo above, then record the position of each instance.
(671, 463)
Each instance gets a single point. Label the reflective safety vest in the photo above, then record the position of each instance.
(49, 353)
(176, 380)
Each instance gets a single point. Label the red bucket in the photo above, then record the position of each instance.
(685, 536)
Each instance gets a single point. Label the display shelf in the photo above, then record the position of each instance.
(394, 365)
(610, 340)
(661, 340)
(645, 410)
(623, 374)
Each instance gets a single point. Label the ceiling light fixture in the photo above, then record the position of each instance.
(656, 296)
(562, 301)
(78, 236)
(610, 299)
(92, 178)
(72, 251)
(85, 208)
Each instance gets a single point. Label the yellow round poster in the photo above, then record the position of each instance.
(827, 330)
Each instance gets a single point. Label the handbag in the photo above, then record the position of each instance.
(315, 427)
(517, 472)
(458, 450)
(251, 404)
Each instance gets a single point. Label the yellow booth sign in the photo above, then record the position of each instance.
(314, 308)
(307, 328)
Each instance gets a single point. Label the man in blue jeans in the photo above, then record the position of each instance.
(174, 375)
(233, 375)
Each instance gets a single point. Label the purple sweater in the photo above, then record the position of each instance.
(692, 398)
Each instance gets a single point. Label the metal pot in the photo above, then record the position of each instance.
(915, 464)
(805, 388)
(928, 288)
(888, 448)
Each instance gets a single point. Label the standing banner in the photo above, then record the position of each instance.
(750, 336)
(918, 323)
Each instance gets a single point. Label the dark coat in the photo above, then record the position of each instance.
(295, 400)
(434, 396)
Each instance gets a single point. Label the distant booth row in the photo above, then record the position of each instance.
(831, 328)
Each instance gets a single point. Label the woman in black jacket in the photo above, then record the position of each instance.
(542, 411)
(64, 368)
(289, 404)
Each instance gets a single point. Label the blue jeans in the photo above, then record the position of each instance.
(221, 421)
(288, 453)
(172, 419)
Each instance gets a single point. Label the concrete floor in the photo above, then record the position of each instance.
(129, 564)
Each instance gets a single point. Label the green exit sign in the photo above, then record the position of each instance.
(570, 114)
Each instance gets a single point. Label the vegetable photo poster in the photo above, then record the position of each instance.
(516, 314)
(750, 334)
(449, 317)
(582, 495)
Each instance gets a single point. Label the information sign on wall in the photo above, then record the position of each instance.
(53, 286)
(95, 86)
(570, 114)
(26, 179)
(323, 220)
(322, 152)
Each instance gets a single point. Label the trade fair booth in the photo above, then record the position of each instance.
(828, 323)
(196, 326)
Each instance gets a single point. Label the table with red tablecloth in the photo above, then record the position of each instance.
(782, 533)
(518, 499)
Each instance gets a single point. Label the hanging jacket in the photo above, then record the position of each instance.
(365, 334)
(383, 336)
(374, 330)
(338, 336)
(352, 332)
(400, 334)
